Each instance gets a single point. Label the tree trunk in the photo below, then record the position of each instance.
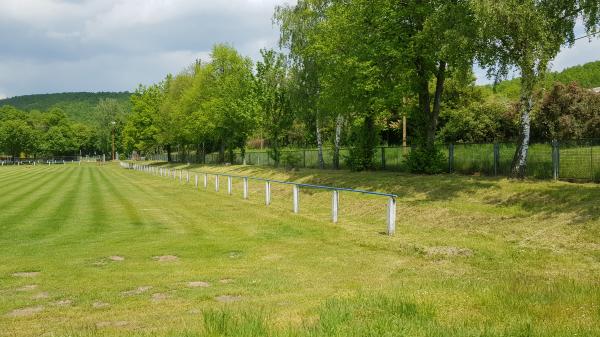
(319, 145)
(169, 153)
(339, 122)
(519, 163)
(437, 102)
(222, 152)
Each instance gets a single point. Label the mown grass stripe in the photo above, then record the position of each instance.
(129, 207)
(37, 199)
(19, 175)
(64, 209)
(9, 201)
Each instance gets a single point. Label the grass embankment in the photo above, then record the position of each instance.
(111, 252)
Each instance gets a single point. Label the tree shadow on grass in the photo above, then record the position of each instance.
(551, 200)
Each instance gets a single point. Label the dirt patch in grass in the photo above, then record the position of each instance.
(40, 296)
(198, 284)
(137, 291)
(165, 258)
(116, 258)
(158, 297)
(228, 298)
(115, 324)
(448, 251)
(24, 312)
(100, 305)
(26, 274)
(28, 287)
(62, 303)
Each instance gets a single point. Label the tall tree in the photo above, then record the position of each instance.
(298, 27)
(275, 117)
(526, 35)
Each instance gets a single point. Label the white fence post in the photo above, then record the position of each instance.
(180, 175)
(267, 193)
(391, 216)
(187, 176)
(296, 197)
(217, 183)
(245, 187)
(205, 180)
(229, 185)
(335, 200)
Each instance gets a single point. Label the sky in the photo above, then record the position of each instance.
(113, 45)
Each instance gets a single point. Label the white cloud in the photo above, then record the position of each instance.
(89, 45)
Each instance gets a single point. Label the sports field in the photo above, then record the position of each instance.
(102, 251)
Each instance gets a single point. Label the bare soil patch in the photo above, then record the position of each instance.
(26, 274)
(116, 258)
(448, 251)
(137, 291)
(40, 296)
(165, 258)
(28, 287)
(198, 284)
(228, 298)
(159, 297)
(100, 305)
(24, 312)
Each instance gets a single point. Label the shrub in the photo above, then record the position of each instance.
(426, 159)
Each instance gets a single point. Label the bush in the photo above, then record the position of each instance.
(426, 159)
(290, 160)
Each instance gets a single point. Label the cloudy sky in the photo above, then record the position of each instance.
(112, 45)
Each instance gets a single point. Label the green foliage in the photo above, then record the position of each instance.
(567, 112)
(364, 139)
(426, 159)
(79, 106)
(290, 160)
(479, 122)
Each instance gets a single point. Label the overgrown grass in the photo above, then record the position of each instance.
(471, 257)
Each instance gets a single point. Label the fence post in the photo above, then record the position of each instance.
(187, 176)
(205, 180)
(451, 158)
(391, 216)
(216, 183)
(555, 159)
(180, 175)
(335, 200)
(196, 181)
(245, 187)
(296, 197)
(383, 158)
(229, 185)
(267, 193)
(496, 158)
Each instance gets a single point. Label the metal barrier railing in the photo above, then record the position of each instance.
(178, 173)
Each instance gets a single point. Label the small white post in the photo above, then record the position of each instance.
(391, 216)
(335, 206)
(188, 176)
(196, 181)
(205, 180)
(217, 183)
(267, 193)
(229, 185)
(296, 197)
(180, 175)
(245, 187)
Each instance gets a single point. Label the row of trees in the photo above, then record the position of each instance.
(353, 69)
(53, 133)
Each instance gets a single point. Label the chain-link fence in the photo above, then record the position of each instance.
(568, 160)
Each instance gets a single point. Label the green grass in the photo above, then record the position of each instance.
(472, 256)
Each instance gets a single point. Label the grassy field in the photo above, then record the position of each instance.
(102, 251)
